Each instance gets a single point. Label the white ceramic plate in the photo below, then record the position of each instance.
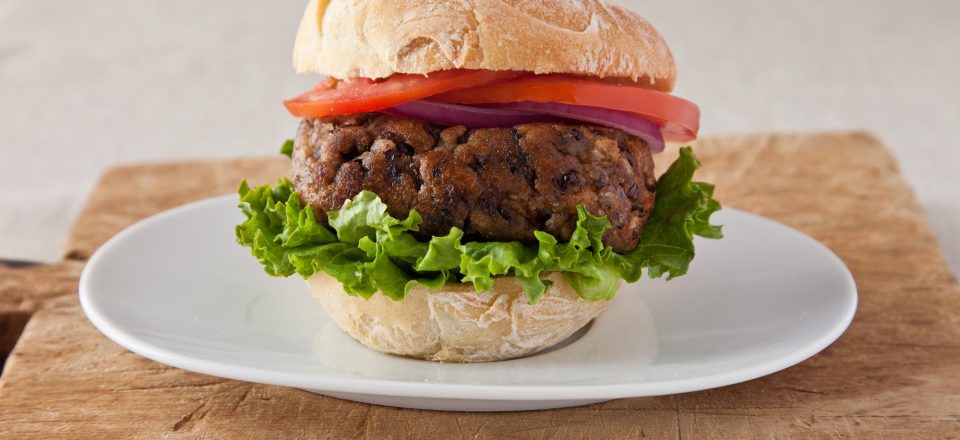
(177, 289)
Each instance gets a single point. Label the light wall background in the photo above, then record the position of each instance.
(86, 85)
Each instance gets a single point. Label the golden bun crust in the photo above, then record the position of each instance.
(457, 323)
(375, 39)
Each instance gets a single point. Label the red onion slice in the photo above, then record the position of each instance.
(469, 116)
(508, 115)
(625, 121)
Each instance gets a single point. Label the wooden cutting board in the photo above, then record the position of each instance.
(894, 374)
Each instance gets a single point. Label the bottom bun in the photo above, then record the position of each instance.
(457, 323)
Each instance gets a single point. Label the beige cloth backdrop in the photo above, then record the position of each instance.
(84, 85)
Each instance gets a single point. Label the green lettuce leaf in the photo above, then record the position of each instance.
(287, 148)
(683, 209)
(368, 250)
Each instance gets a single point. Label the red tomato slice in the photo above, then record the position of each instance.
(678, 118)
(365, 95)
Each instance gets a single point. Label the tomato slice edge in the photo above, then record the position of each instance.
(360, 96)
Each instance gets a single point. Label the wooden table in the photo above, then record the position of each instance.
(894, 374)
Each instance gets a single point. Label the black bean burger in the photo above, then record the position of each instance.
(473, 180)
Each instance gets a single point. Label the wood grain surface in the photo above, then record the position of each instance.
(24, 289)
(894, 374)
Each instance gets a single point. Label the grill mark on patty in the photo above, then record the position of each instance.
(567, 180)
(405, 149)
(434, 130)
(477, 164)
(576, 134)
(489, 200)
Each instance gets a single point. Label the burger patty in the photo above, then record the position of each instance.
(496, 184)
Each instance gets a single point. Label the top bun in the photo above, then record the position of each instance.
(375, 39)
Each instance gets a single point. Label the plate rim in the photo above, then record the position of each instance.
(435, 390)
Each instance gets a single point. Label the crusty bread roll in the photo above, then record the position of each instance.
(375, 39)
(457, 323)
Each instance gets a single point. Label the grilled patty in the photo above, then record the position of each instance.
(496, 184)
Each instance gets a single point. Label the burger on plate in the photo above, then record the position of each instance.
(474, 180)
